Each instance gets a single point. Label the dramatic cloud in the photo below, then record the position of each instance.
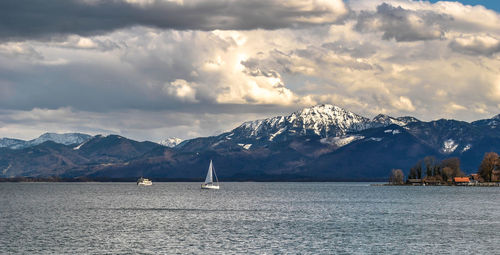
(420, 20)
(34, 19)
(150, 69)
(137, 124)
(401, 24)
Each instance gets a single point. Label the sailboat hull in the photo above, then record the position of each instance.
(209, 186)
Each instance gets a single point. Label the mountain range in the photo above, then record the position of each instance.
(66, 139)
(321, 143)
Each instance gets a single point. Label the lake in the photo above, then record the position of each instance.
(247, 218)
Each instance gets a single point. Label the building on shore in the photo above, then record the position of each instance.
(433, 180)
(476, 178)
(461, 180)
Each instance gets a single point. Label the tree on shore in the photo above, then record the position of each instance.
(416, 171)
(436, 170)
(489, 163)
(397, 177)
(450, 168)
(432, 167)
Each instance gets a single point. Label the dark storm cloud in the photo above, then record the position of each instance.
(41, 19)
(403, 25)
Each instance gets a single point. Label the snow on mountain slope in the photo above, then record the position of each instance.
(323, 120)
(245, 146)
(171, 142)
(341, 141)
(449, 146)
(466, 148)
(80, 145)
(11, 143)
(386, 120)
(320, 118)
(492, 123)
(66, 139)
(393, 131)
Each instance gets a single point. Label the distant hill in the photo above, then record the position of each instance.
(320, 143)
(66, 139)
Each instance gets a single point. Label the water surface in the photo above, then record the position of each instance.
(261, 218)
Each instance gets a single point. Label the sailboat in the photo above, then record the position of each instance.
(209, 181)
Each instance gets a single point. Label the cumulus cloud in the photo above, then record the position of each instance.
(19, 50)
(34, 19)
(402, 24)
(476, 44)
(151, 69)
(182, 89)
(136, 124)
(404, 103)
(220, 64)
(420, 20)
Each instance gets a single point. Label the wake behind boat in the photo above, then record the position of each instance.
(144, 182)
(209, 182)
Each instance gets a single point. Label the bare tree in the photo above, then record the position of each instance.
(451, 168)
(430, 163)
(447, 173)
(413, 173)
(397, 177)
(453, 163)
(489, 163)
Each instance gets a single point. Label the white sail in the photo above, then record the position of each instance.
(209, 178)
(209, 181)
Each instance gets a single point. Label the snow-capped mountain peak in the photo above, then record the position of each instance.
(322, 120)
(386, 120)
(171, 142)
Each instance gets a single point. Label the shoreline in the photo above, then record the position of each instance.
(480, 184)
(134, 179)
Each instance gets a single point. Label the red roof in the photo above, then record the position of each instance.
(462, 179)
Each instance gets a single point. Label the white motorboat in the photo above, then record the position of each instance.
(144, 182)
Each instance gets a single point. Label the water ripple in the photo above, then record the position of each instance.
(247, 218)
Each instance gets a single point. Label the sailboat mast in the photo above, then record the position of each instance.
(217, 180)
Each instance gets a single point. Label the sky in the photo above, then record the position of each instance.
(153, 69)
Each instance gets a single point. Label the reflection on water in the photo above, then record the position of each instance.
(314, 218)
